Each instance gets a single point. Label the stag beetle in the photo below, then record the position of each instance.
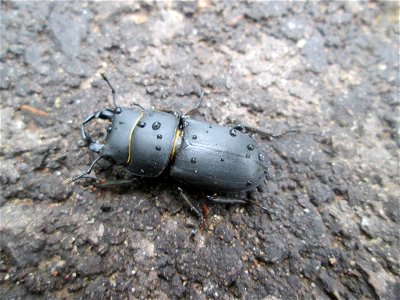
(148, 142)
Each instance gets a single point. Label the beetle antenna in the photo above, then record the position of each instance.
(112, 89)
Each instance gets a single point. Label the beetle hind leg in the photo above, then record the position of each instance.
(194, 209)
(235, 201)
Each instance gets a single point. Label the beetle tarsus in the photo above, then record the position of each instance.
(226, 200)
(236, 201)
(194, 209)
(263, 208)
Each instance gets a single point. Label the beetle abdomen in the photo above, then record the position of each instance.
(218, 158)
(151, 143)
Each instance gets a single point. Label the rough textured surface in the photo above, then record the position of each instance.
(330, 70)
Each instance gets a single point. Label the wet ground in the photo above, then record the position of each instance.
(330, 70)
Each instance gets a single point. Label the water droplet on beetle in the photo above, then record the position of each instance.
(159, 136)
(185, 124)
(210, 126)
(261, 157)
(141, 171)
(158, 148)
(250, 147)
(233, 132)
(155, 164)
(194, 136)
(195, 171)
(247, 155)
(193, 160)
(222, 159)
(109, 129)
(249, 182)
(156, 125)
(118, 110)
(142, 124)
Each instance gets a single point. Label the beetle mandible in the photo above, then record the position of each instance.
(147, 142)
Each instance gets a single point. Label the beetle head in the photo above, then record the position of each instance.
(118, 137)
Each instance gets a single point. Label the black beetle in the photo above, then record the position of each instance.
(148, 142)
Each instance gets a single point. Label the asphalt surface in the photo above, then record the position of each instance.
(321, 77)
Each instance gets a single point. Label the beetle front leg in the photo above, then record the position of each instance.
(84, 174)
(194, 209)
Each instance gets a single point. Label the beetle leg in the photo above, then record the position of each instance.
(191, 111)
(117, 182)
(235, 201)
(264, 134)
(225, 200)
(194, 209)
(84, 174)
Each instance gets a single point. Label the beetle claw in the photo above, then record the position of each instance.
(194, 233)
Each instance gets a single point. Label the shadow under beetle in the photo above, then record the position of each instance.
(147, 142)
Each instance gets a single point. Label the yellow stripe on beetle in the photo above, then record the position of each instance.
(177, 134)
(130, 138)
